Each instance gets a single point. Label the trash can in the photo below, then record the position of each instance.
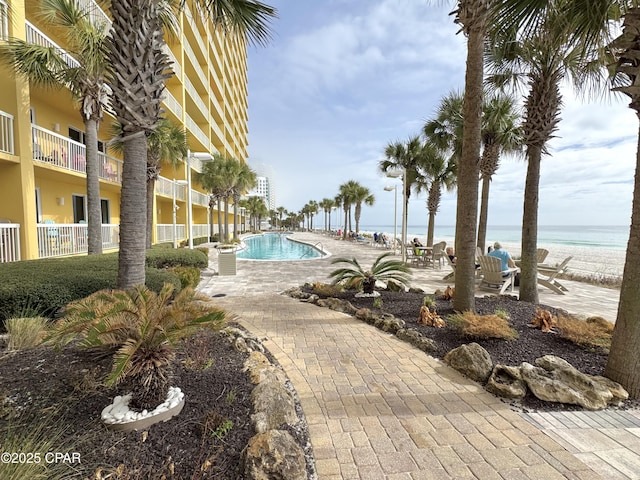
(226, 262)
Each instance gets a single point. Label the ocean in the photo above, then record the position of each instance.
(595, 249)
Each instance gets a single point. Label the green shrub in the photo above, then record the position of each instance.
(189, 276)
(25, 332)
(41, 287)
(181, 257)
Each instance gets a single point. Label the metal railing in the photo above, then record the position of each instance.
(4, 20)
(34, 35)
(54, 149)
(164, 232)
(64, 239)
(197, 131)
(9, 242)
(172, 103)
(193, 93)
(6, 133)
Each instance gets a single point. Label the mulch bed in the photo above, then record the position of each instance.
(63, 388)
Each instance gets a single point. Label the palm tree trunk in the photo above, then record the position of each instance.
(529, 275)
(226, 219)
(151, 186)
(94, 211)
(133, 225)
(344, 234)
(484, 213)
(220, 231)
(623, 364)
(236, 198)
(468, 170)
(430, 228)
(211, 205)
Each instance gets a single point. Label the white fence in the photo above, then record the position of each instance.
(62, 239)
(9, 242)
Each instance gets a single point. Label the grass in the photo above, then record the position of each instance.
(592, 332)
(25, 332)
(482, 326)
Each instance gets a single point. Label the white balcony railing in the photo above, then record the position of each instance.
(63, 239)
(177, 68)
(200, 230)
(36, 36)
(165, 187)
(53, 149)
(196, 33)
(4, 20)
(197, 131)
(194, 61)
(199, 198)
(193, 93)
(9, 242)
(171, 103)
(6, 133)
(96, 14)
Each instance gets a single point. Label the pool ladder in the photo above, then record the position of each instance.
(315, 245)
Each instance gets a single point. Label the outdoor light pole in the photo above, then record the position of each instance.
(396, 173)
(395, 215)
(200, 156)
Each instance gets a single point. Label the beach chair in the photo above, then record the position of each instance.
(493, 277)
(412, 258)
(452, 274)
(438, 254)
(542, 255)
(547, 276)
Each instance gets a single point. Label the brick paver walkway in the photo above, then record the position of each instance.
(378, 408)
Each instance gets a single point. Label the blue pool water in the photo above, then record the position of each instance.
(275, 246)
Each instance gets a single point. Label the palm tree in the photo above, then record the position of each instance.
(257, 209)
(473, 17)
(383, 269)
(501, 133)
(542, 59)
(361, 195)
(167, 143)
(245, 180)
(84, 75)
(140, 70)
(326, 204)
(347, 196)
(281, 211)
(439, 170)
(406, 158)
(212, 180)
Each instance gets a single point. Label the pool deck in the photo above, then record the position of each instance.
(378, 408)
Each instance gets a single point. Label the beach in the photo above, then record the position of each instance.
(596, 250)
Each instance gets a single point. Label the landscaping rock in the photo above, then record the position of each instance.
(393, 286)
(506, 382)
(274, 455)
(556, 380)
(338, 305)
(416, 339)
(471, 360)
(259, 368)
(273, 405)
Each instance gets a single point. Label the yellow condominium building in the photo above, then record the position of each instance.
(42, 151)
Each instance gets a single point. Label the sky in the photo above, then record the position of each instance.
(341, 79)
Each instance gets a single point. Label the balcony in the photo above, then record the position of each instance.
(193, 93)
(9, 242)
(51, 148)
(37, 37)
(172, 104)
(6, 133)
(4, 20)
(197, 131)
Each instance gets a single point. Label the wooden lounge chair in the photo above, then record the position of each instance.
(542, 255)
(452, 274)
(493, 277)
(547, 276)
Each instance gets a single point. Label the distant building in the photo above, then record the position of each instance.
(265, 185)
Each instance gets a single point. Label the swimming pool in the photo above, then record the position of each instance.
(276, 246)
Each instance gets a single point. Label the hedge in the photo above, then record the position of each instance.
(42, 287)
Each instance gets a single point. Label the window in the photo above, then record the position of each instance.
(79, 136)
(104, 206)
(79, 209)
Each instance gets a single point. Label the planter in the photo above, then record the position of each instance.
(117, 416)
